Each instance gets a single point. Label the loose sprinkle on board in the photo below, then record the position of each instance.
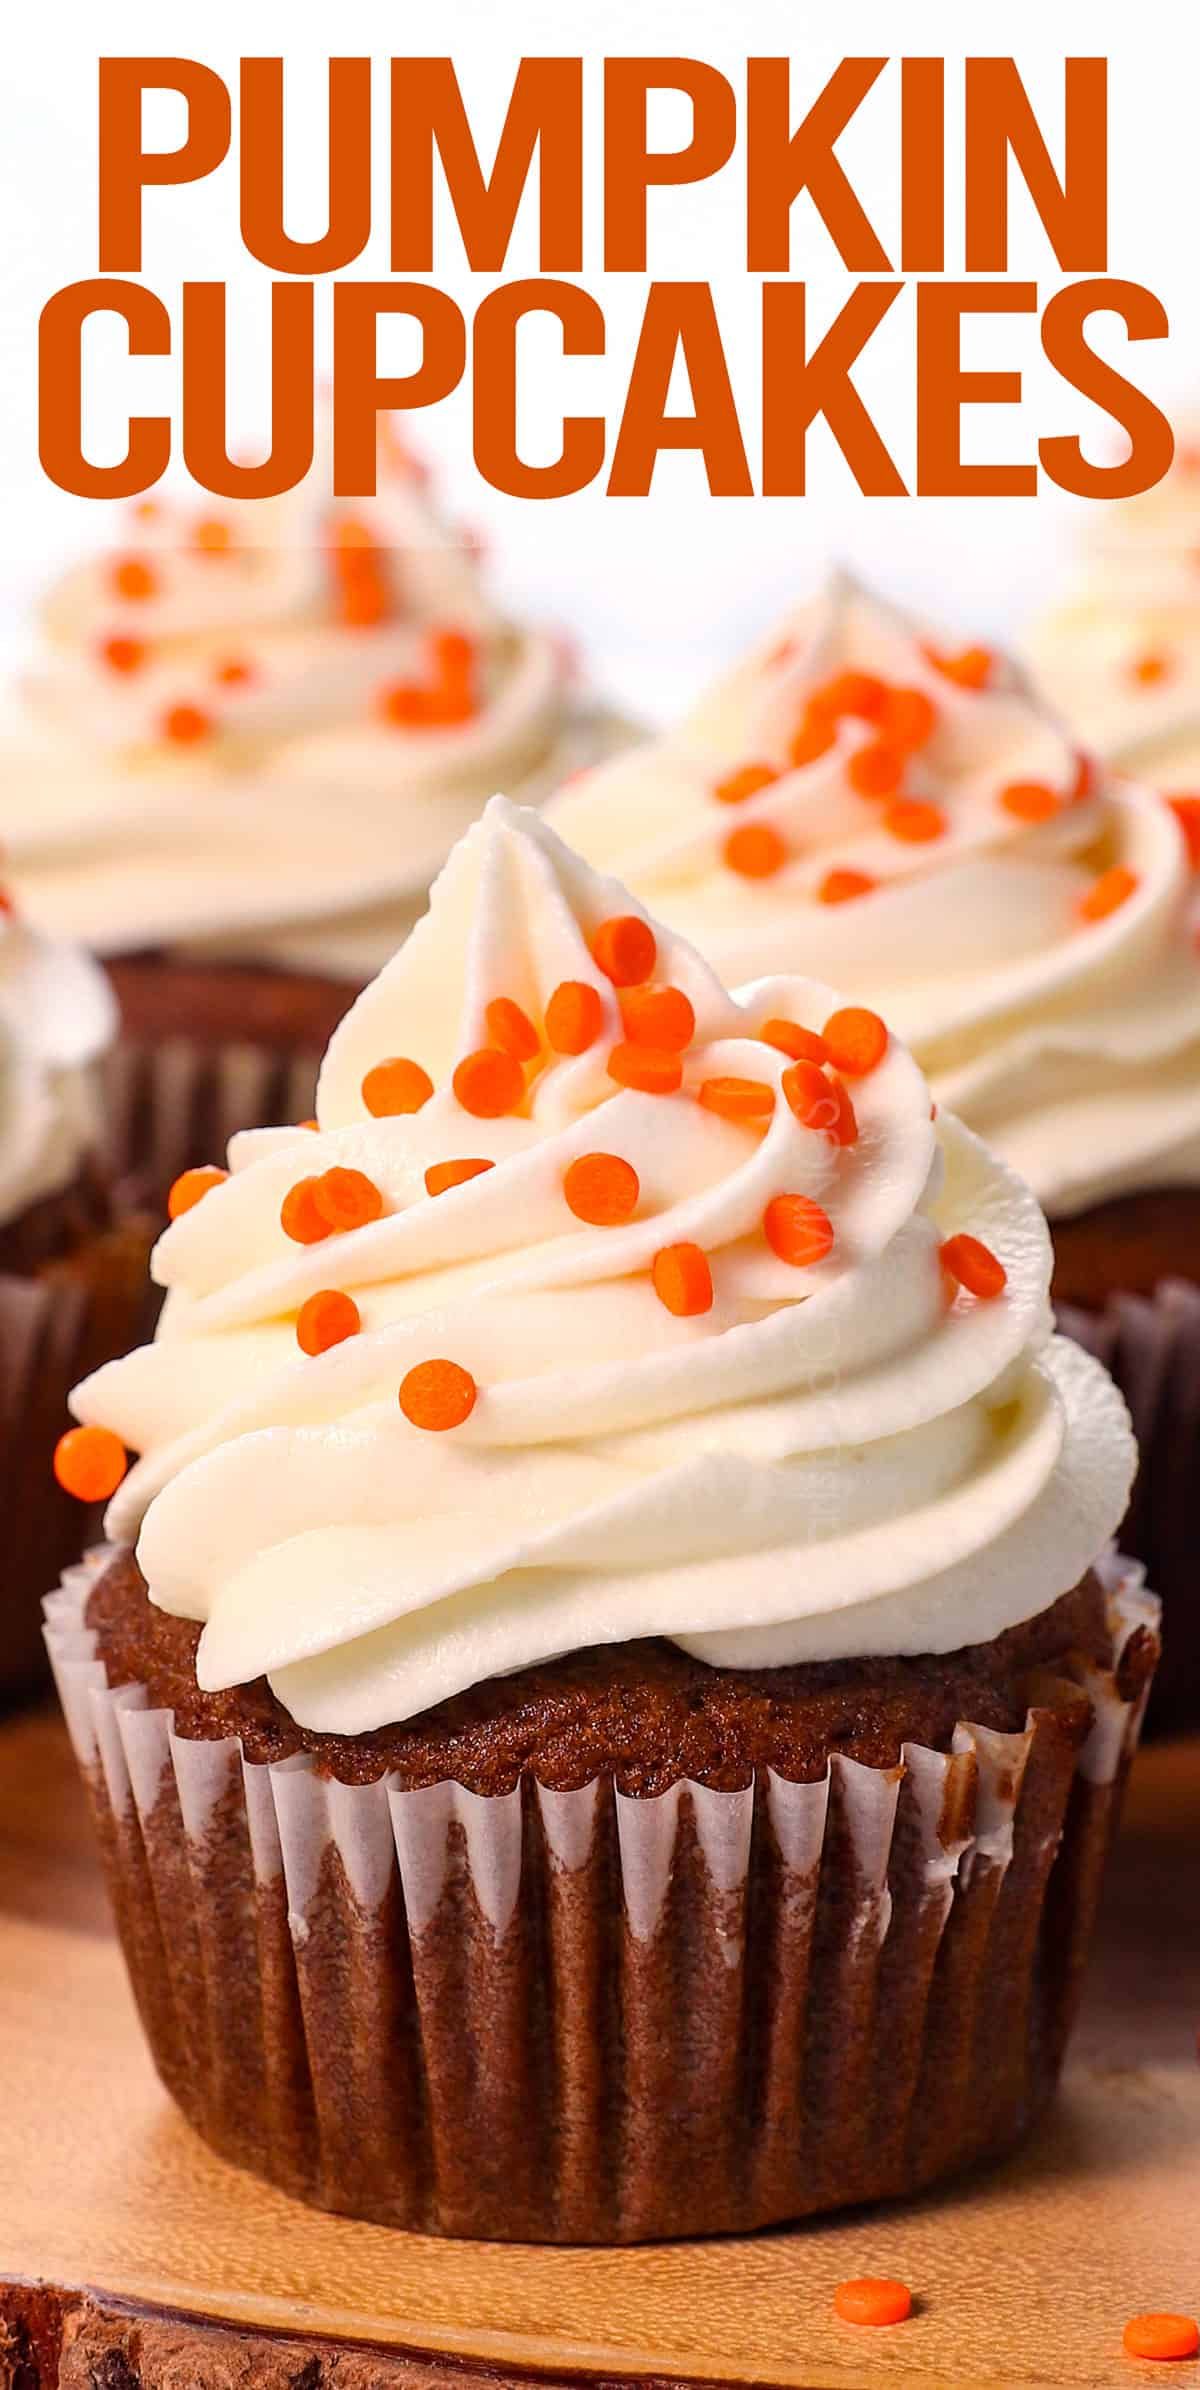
(872, 2302)
(1165, 2338)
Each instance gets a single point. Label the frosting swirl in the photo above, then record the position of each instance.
(57, 1017)
(1025, 922)
(247, 725)
(832, 1457)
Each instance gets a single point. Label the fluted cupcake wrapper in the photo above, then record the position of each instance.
(1151, 1346)
(77, 1311)
(577, 2016)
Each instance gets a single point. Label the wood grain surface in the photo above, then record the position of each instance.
(165, 2270)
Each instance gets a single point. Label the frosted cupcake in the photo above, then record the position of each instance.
(1121, 653)
(250, 739)
(72, 1281)
(600, 1709)
(911, 821)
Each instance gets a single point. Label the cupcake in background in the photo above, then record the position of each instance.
(1120, 654)
(904, 815)
(251, 736)
(72, 1276)
(617, 1487)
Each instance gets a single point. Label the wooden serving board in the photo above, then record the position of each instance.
(134, 2260)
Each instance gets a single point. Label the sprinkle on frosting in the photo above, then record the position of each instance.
(1030, 800)
(574, 1017)
(438, 1395)
(122, 653)
(798, 1230)
(395, 1086)
(652, 1070)
(346, 1200)
(791, 1037)
(441, 1176)
(662, 1017)
(737, 1099)
(133, 579)
(974, 1266)
(683, 1280)
(602, 1189)
(877, 769)
(1108, 893)
(325, 1319)
(841, 885)
(512, 1030)
(755, 851)
(299, 1215)
(625, 950)
(855, 1040)
(916, 820)
(90, 1463)
(748, 781)
(191, 1188)
(185, 725)
(489, 1083)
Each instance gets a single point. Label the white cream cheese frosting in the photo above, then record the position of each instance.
(844, 1455)
(1026, 921)
(247, 726)
(57, 1019)
(1120, 653)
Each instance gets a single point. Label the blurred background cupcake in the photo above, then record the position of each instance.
(1120, 652)
(901, 813)
(72, 1275)
(617, 1484)
(249, 739)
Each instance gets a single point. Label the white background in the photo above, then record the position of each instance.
(656, 589)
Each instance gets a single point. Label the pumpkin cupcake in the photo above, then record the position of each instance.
(905, 813)
(606, 1701)
(251, 736)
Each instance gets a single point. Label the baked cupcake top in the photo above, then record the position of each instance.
(57, 1018)
(910, 821)
(249, 719)
(600, 1305)
(1121, 652)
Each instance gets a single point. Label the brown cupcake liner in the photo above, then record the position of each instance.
(577, 2016)
(77, 1312)
(173, 1105)
(1151, 1346)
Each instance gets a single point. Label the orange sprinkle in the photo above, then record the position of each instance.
(146, 510)
(190, 1189)
(450, 703)
(1162, 2337)
(1030, 800)
(347, 1199)
(452, 655)
(872, 2302)
(737, 1099)
(602, 1189)
(574, 1017)
(1107, 893)
(626, 950)
(908, 716)
(1087, 773)
(877, 769)
(362, 601)
(438, 1395)
(403, 703)
(186, 724)
(856, 1040)
(132, 577)
(440, 1176)
(845, 1127)
(123, 654)
(1151, 668)
(1187, 813)
(326, 1319)
(313, 1124)
(802, 1044)
(512, 1030)
(396, 1086)
(683, 1280)
(745, 782)
(975, 1266)
(811, 1096)
(860, 693)
(659, 1017)
(212, 536)
(234, 673)
(299, 1217)
(915, 820)
(842, 884)
(90, 1462)
(814, 738)
(755, 851)
(971, 668)
(349, 536)
(489, 1083)
(797, 1230)
(646, 1068)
